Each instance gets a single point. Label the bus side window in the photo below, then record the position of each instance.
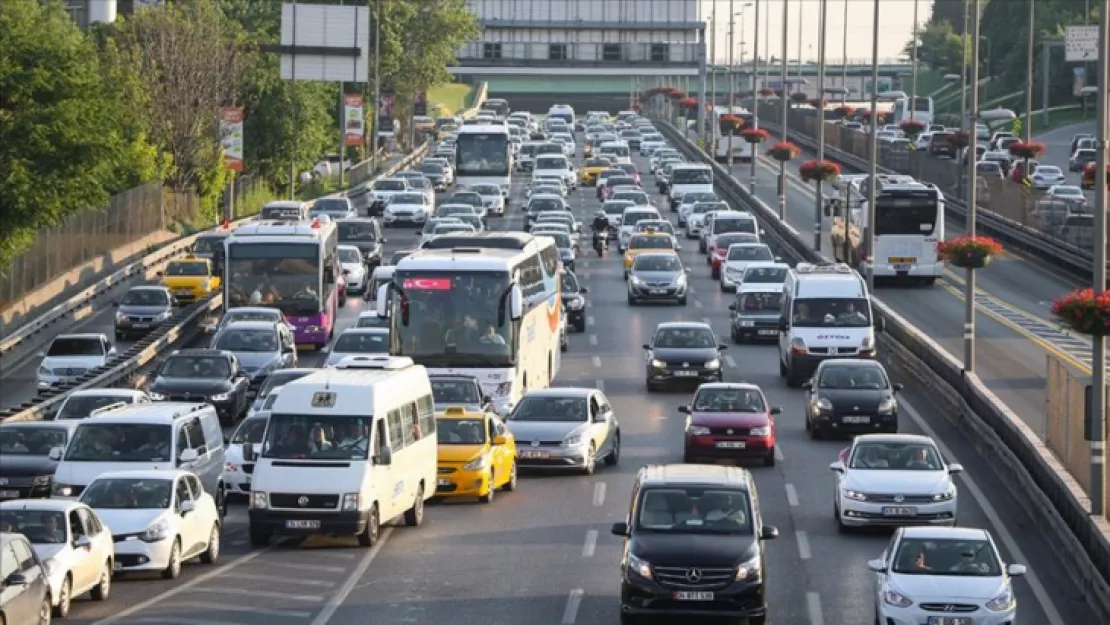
(396, 431)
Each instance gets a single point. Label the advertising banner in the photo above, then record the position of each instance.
(354, 120)
(385, 113)
(231, 136)
(420, 103)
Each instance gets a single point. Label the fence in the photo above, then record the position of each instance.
(1065, 404)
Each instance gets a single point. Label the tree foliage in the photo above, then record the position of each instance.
(939, 47)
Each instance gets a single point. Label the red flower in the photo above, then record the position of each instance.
(1083, 311)
(655, 91)
(732, 122)
(636, 107)
(767, 92)
(755, 135)
(818, 103)
(966, 251)
(960, 138)
(912, 127)
(814, 170)
(1022, 149)
(799, 97)
(677, 94)
(784, 151)
(844, 111)
(688, 103)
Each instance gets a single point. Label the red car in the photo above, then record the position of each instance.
(612, 182)
(730, 421)
(631, 170)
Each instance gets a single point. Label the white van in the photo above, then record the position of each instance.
(826, 313)
(688, 179)
(143, 437)
(345, 450)
(556, 165)
(617, 150)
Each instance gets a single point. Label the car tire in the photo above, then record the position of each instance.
(769, 459)
(103, 588)
(259, 538)
(580, 326)
(369, 536)
(414, 516)
(513, 482)
(488, 497)
(211, 555)
(65, 598)
(591, 461)
(173, 568)
(682, 301)
(614, 456)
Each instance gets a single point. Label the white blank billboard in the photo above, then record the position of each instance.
(325, 26)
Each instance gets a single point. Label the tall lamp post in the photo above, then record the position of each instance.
(1029, 73)
(844, 60)
(784, 102)
(972, 184)
(872, 169)
(1097, 424)
(820, 197)
(732, 65)
(913, 80)
(755, 90)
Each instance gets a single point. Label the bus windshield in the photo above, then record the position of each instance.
(482, 154)
(285, 276)
(896, 216)
(451, 319)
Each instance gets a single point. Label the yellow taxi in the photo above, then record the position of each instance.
(652, 241)
(477, 455)
(190, 278)
(423, 123)
(587, 176)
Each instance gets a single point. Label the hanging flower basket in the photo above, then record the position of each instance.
(767, 92)
(844, 111)
(1022, 149)
(655, 91)
(863, 114)
(912, 128)
(1088, 179)
(742, 95)
(784, 151)
(799, 97)
(969, 252)
(688, 103)
(755, 135)
(677, 94)
(818, 103)
(959, 139)
(636, 107)
(731, 123)
(884, 118)
(671, 92)
(814, 170)
(1083, 311)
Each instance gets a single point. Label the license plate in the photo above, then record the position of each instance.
(768, 332)
(693, 596)
(857, 419)
(731, 445)
(140, 326)
(535, 454)
(443, 482)
(302, 525)
(9, 494)
(949, 620)
(901, 260)
(686, 374)
(903, 267)
(899, 511)
(182, 291)
(657, 291)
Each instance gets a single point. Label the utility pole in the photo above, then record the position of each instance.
(1029, 74)
(1096, 418)
(963, 76)
(844, 60)
(377, 85)
(784, 102)
(800, 35)
(712, 60)
(913, 81)
(972, 191)
(755, 92)
(872, 169)
(818, 208)
(731, 72)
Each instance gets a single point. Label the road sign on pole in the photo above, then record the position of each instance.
(1081, 43)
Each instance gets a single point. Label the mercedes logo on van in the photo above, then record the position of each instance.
(535, 443)
(899, 498)
(3, 481)
(728, 432)
(693, 576)
(686, 364)
(302, 501)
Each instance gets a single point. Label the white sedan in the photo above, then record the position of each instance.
(736, 260)
(355, 274)
(894, 480)
(358, 342)
(1047, 176)
(926, 571)
(237, 471)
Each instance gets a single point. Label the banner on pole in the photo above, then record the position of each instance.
(354, 120)
(420, 103)
(231, 137)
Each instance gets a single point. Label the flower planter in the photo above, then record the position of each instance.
(959, 139)
(970, 261)
(912, 128)
(1026, 150)
(755, 135)
(784, 151)
(766, 92)
(969, 252)
(1083, 312)
(818, 171)
(688, 103)
(798, 97)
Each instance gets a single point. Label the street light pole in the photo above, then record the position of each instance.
(872, 166)
(731, 72)
(755, 91)
(972, 190)
(913, 81)
(844, 60)
(1096, 417)
(712, 60)
(820, 198)
(1029, 75)
(784, 102)
(963, 74)
(800, 36)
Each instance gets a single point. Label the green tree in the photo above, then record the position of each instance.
(938, 47)
(63, 147)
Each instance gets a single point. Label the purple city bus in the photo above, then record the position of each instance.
(291, 266)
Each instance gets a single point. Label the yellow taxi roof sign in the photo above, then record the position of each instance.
(455, 411)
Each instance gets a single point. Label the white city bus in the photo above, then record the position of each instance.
(923, 110)
(486, 305)
(483, 155)
(741, 150)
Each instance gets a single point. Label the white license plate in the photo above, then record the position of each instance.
(535, 454)
(857, 419)
(443, 482)
(693, 596)
(686, 374)
(302, 525)
(902, 267)
(949, 620)
(140, 326)
(657, 291)
(9, 494)
(768, 332)
(731, 445)
(899, 511)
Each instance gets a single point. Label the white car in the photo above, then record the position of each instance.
(570, 148)
(335, 206)
(75, 547)
(357, 342)
(159, 519)
(661, 153)
(1070, 194)
(371, 319)
(894, 480)
(926, 571)
(649, 146)
(383, 191)
(71, 355)
(686, 204)
(237, 472)
(557, 166)
(441, 226)
(1047, 176)
(81, 404)
(492, 199)
(330, 166)
(410, 207)
(355, 274)
(695, 219)
(274, 381)
(737, 259)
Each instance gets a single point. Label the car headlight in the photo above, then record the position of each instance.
(854, 495)
(572, 440)
(41, 480)
(639, 567)
(478, 464)
(120, 317)
(1003, 602)
(888, 405)
(697, 430)
(947, 495)
(680, 280)
(867, 343)
(166, 314)
(44, 371)
(220, 397)
(259, 500)
(159, 531)
(636, 281)
(575, 304)
(748, 570)
(658, 364)
(713, 364)
(746, 323)
(763, 430)
(58, 489)
(896, 599)
(823, 404)
(352, 502)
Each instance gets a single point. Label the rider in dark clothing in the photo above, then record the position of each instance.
(601, 223)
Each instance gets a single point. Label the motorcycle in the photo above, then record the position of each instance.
(600, 243)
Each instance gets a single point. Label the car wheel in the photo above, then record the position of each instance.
(512, 484)
(369, 536)
(103, 587)
(259, 538)
(173, 569)
(615, 455)
(46, 611)
(65, 598)
(591, 460)
(769, 459)
(414, 516)
(488, 497)
(211, 554)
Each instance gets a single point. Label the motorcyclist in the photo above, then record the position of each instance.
(601, 222)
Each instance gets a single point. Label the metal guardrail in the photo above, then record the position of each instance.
(1036, 480)
(173, 331)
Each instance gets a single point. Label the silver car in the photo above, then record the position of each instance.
(357, 342)
(657, 278)
(565, 428)
(261, 347)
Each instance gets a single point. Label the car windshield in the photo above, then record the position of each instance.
(545, 204)
(81, 406)
(128, 494)
(597, 162)
(733, 224)
(554, 218)
(750, 252)
(208, 367)
(208, 245)
(280, 378)
(146, 297)
(620, 181)
(725, 241)
(852, 376)
(1049, 170)
(692, 198)
(234, 315)
(616, 207)
(332, 205)
(39, 527)
(242, 340)
(461, 431)
(470, 198)
(357, 231)
(362, 343)
(486, 189)
(691, 176)
(657, 262)
(120, 442)
(650, 243)
(250, 431)
(972, 557)
(896, 456)
(637, 198)
(30, 441)
(551, 163)
(631, 218)
(557, 409)
(765, 275)
(347, 255)
(317, 437)
(729, 400)
(187, 269)
(372, 320)
(432, 168)
(447, 391)
(407, 198)
(695, 510)
(76, 346)
(700, 208)
(1068, 191)
(390, 185)
(832, 312)
(562, 241)
(689, 338)
(759, 303)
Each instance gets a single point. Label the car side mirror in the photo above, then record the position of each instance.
(732, 307)
(115, 304)
(722, 347)
(837, 466)
(880, 324)
(619, 529)
(500, 440)
(876, 565)
(227, 441)
(784, 325)
(955, 469)
(807, 385)
(55, 453)
(646, 346)
(898, 387)
(383, 240)
(684, 409)
(776, 410)
(384, 457)
(187, 507)
(1016, 570)
(15, 579)
(187, 455)
(419, 232)
(159, 274)
(82, 542)
(768, 532)
(248, 452)
(584, 290)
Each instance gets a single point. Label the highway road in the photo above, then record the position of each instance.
(1057, 144)
(543, 555)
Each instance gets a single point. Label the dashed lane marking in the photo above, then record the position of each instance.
(574, 600)
(813, 607)
(590, 545)
(597, 361)
(593, 340)
(803, 545)
(599, 494)
(791, 495)
(730, 362)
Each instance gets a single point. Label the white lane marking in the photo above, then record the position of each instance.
(778, 454)
(813, 606)
(597, 361)
(730, 362)
(599, 494)
(590, 545)
(574, 600)
(697, 303)
(1042, 595)
(803, 545)
(178, 620)
(589, 320)
(285, 580)
(593, 340)
(232, 607)
(262, 593)
(344, 591)
(308, 567)
(791, 495)
(177, 590)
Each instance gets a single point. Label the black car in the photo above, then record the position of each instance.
(574, 301)
(26, 469)
(693, 545)
(211, 375)
(683, 352)
(142, 310)
(365, 234)
(436, 174)
(755, 313)
(851, 396)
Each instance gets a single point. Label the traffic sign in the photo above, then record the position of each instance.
(1081, 43)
